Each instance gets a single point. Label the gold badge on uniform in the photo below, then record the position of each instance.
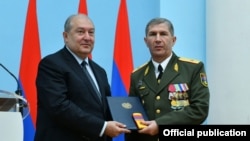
(146, 71)
(203, 78)
(176, 68)
(178, 95)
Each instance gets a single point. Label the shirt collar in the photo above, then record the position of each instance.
(164, 63)
(78, 59)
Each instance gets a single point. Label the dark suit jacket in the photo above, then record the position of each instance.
(68, 107)
(156, 97)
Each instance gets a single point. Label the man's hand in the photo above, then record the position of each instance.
(151, 129)
(115, 128)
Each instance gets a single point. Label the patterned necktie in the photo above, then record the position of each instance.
(83, 64)
(160, 69)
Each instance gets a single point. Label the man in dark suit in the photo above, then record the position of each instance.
(172, 89)
(70, 107)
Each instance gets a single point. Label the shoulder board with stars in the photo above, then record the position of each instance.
(139, 67)
(189, 60)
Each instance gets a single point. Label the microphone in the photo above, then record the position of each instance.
(20, 105)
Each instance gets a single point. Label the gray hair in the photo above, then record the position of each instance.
(156, 21)
(67, 24)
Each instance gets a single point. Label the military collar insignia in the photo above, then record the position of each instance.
(146, 71)
(176, 68)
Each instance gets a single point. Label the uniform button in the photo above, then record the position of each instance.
(158, 97)
(158, 111)
(143, 101)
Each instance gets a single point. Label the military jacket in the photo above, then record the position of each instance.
(181, 97)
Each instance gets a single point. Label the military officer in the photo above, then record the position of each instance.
(176, 92)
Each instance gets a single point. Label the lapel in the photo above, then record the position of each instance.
(76, 67)
(167, 78)
(169, 74)
(98, 78)
(149, 77)
(71, 61)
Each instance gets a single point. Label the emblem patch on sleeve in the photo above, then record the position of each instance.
(203, 78)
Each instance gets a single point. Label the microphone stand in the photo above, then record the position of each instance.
(20, 104)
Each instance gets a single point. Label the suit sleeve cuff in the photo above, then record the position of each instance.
(103, 129)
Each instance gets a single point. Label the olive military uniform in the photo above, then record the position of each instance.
(181, 97)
